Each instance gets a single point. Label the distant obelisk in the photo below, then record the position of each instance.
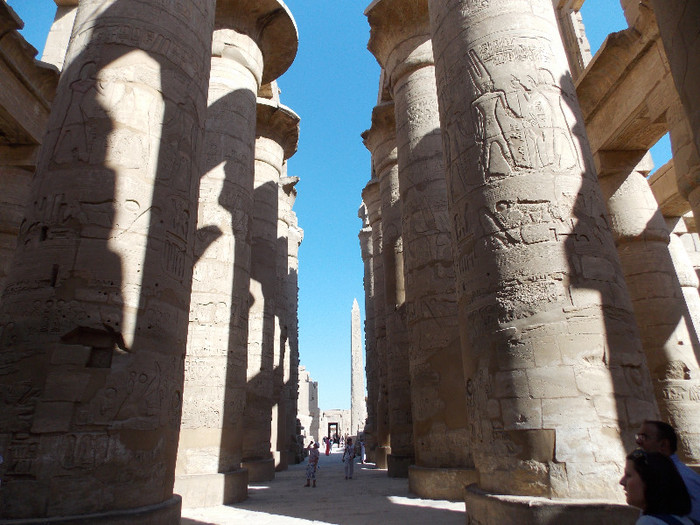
(358, 409)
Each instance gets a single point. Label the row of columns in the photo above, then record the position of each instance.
(524, 285)
(149, 324)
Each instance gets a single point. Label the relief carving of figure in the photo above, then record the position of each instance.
(489, 110)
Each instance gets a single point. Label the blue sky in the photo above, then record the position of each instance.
(333, 86)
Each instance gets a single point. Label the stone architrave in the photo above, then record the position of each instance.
(372, 201)
(277, 134)
(208, 469)
(358, 410)
(556, 376)
(686, 160)
(372, 363)
(402, 46)
(667, 329)
(94, 315)
(59, 35)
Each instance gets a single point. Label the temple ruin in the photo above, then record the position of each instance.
(531, 292)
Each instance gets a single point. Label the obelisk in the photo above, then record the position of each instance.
(358, 411)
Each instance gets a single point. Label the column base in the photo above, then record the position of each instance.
(397, 466)
(281, 458)
(496, 509)
(260, 470)
(380, 457)
(166, 513)
(440, 483)
(211, 490)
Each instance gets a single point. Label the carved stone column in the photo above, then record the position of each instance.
(277, 133)
(668, 334)
(286, 373)
(59, 35)
(210, 453)
(686, 160)
(678, 25)
(371, 198)
(94, 316)
(556, 377)
(372, 364)
(439, 426)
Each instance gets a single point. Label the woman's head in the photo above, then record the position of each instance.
(653, 484)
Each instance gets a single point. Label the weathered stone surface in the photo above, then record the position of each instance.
(357, 385)
(530, 227)
(105, 262)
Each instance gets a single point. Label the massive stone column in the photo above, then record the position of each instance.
(402, 46)
(277, 133)
(371, 199)
(556, 377)
(286, 371)
(380, 140)
(678, 25)
(94, 316)
(372, 363)
(210, 453)
(358, 411)
(59, 35)
(668, 335)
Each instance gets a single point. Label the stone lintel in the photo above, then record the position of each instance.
(270, 24)
(23, 156)
(624, 93)
(620, 161)
(664, 186)
(441, 483)
(495, 509)
(399, 28)
(67, 3)
(28, 86)
(279, 123)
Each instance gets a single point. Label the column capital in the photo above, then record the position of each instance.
(270, 24)
(278, 122)
(371, 198)
(400, 36)
(380, 139)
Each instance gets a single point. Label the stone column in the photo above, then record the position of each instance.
(208, 469)
(380, 140)
(372, 364)
(556, 377)
(668, 336)
(678, 25)
(371, 198)
(402, 46)
(94, 316)
(358, 412)
(277, 133)
(286, 375)
(59, 35)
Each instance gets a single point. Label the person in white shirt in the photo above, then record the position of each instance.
(348, 457)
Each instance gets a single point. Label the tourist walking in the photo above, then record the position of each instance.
(313, 463)
(348, 457)
(327, 441)
(362, 451)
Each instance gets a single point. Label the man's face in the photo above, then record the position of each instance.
(647, 439)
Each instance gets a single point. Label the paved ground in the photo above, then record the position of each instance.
(371, 497)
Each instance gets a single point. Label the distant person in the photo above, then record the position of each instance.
(348, 457)
(327, 441)
(657, 436)
(313, 463)
(362, 451)
(653, 484)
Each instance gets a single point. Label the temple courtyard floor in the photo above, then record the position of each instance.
(370, 497)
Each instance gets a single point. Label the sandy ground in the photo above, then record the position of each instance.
(371, 497)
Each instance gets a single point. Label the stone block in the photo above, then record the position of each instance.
(556, 411)
(521, 413)
(593, 380)
(52, 416)
(552, 382)
(510, 384)
(440, 483)
(210, 490)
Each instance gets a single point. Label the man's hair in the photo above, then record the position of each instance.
(665, 431)
(664, 489)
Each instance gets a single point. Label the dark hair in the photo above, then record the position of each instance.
(664, 489)
(665, 431)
